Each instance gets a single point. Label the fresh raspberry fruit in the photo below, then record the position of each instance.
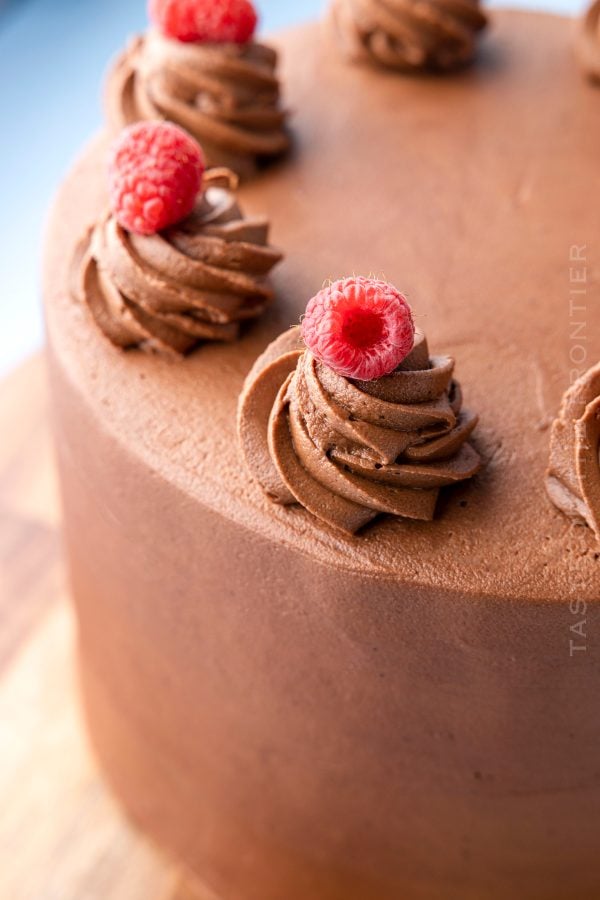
(206, 21)
(155, 173)
(359, 327)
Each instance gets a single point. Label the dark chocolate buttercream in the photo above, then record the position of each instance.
(409, 34)
(198, 280)
(573, 476)
(225, 95)
(348, 450)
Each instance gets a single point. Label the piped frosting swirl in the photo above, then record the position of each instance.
(198, 280)
(409, 35)
(225, 95)
(573, 476)
(588, 43)
(348, 450)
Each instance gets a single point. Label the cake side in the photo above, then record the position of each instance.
(287, 729)
(461, 199)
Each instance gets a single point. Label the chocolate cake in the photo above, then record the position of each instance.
(410, 712)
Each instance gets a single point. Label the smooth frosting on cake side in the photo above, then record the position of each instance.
(411, 712)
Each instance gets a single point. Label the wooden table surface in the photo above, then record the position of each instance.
(61, 834)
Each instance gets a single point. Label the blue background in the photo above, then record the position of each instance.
(53, 54)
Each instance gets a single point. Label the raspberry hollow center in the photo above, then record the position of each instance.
(363, 329)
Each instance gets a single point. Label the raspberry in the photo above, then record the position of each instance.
(155, 173)
(206, 21)
(359, 327)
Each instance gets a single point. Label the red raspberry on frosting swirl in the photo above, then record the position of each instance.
(155, 173)
(205, 21)
(362, 420)
(359, 327)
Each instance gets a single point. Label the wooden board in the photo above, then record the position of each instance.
(61, 835)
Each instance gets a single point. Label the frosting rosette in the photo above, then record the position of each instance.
(226, 95)
(197, 280)
(573, 476)
(409, 35)
(348, 450)
(588, 42)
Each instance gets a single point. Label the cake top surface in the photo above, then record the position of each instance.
(472, 193)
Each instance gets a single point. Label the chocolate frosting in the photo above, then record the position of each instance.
(370, 717)
(348, 450)
(409, 34)
(573, 476)
(198, 280)
(588, 44)
(225, 95)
